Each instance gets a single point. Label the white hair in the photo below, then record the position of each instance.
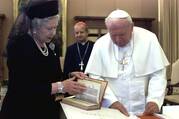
(37, 22)
(118, 14)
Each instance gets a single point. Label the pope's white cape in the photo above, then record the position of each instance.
(148, 56)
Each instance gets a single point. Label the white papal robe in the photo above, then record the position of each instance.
(136, 81)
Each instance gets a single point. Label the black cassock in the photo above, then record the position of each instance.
(73, 60)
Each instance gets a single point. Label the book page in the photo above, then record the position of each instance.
(74, 100)
(92, 92)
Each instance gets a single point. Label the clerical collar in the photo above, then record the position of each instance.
(83, 43)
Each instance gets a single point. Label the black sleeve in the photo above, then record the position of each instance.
(68, 63)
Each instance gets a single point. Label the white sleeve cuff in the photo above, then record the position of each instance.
(159, 103)
(109, 98)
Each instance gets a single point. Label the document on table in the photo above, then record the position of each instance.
(103, 113)
(172, 112)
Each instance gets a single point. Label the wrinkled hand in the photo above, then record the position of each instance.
(79, 75)
(151, 108)
(120, 107)
(73, 87)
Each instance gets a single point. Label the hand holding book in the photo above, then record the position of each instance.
(73, 87)
(91, 98)
(77, 74)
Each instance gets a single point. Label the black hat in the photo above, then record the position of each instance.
(42, 9)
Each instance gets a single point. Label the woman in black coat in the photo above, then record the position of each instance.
(34, 71)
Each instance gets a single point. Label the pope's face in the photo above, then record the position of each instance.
(120, 31)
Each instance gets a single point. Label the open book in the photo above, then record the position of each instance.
(91, 98)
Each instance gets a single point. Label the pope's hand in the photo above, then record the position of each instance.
(73, 87)
(151, 108)
(120, 107)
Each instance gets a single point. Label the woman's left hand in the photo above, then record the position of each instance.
(78, 75)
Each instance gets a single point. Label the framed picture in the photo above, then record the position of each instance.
(62, 29)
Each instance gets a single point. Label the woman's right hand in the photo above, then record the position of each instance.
(73, 87)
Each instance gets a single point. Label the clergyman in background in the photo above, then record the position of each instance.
(78, 54)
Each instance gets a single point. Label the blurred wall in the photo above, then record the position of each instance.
(136, 8)
(7, 9)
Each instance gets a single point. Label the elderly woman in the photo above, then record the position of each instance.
(34, 71)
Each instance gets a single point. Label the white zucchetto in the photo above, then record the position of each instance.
(119, 14)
